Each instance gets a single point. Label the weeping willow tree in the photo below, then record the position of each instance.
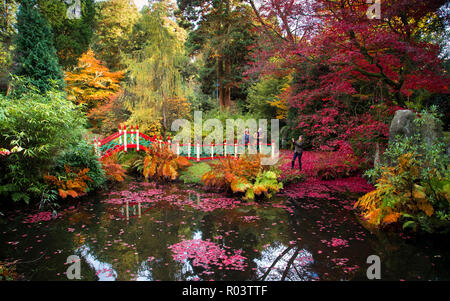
(155, 91)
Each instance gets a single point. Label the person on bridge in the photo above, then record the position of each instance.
(246, 138)
(298, 151)
(258, 137)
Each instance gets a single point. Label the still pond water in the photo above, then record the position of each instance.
(145, 231)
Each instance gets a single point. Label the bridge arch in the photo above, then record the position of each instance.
(127, 139)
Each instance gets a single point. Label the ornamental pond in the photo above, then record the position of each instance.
(149, 231)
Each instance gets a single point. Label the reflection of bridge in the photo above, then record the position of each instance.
(126, 139)
(135, 209)
(131, 210)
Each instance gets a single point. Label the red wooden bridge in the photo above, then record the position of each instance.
(126, 139)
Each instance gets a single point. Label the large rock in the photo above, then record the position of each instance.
(430, 129)
(402, 125)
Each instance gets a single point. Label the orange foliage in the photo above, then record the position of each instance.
(106, 116)
(233, 172)
(393, 199)
(391, 217)
(161, 163)
(114, 171)
(91, 82)
(74, 183)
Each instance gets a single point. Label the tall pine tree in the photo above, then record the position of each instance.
(222, 32)
(36, 56)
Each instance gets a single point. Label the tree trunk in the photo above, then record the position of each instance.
(227, 100)
(220, 77)
(8, 88)
(164, 115)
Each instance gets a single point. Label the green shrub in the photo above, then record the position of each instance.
(81, 155)
(38, 127)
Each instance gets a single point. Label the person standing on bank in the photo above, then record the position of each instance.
(298, 151)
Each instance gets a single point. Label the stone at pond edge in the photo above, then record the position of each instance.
(402, 125)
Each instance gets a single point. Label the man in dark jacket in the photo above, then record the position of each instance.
(298, 152)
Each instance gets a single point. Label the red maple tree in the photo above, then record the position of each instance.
(345, 62)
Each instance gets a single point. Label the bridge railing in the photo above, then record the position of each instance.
(126, 139)
(197, 151)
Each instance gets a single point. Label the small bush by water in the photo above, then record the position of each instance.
(413, 185)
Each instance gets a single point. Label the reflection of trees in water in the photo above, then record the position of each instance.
(151, 232)
(112, 244)
(79, 215)
(104, 271)
(279, 263)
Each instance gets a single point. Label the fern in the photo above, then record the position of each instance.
(162, 164)
(243, 175)
(114, 171)
(73, 183)
(402, 194)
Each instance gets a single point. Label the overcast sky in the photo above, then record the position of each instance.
(140, 3)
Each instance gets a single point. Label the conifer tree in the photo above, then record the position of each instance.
(36, 57)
